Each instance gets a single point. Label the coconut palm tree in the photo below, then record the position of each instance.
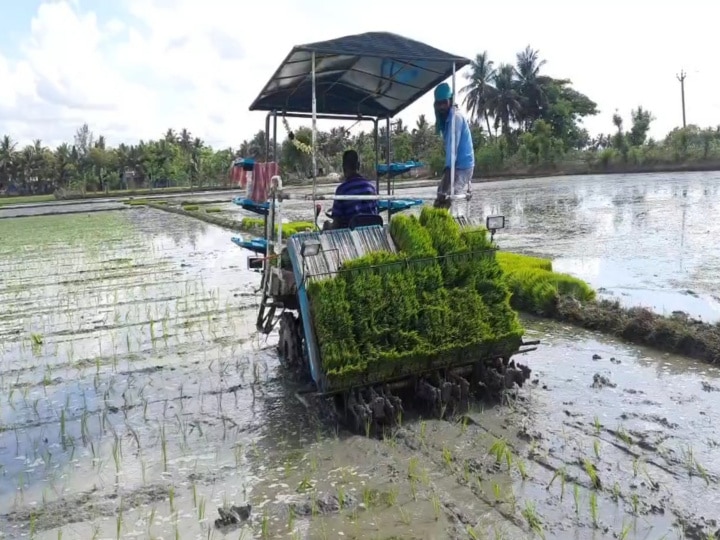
(7, 160)
(531, 85)
(506, 103)
(479, 91)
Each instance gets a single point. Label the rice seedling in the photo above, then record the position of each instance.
(592, 473)
(447, 457)
(466, 471)
(119, 521)
(392, 496)
(501, 450)
(437, 509)
(163, 447)
(464, 424)
(624, 531)
(624, 436)
(576, 497)
(117, 452)
(521, 469)
(594, 508)
(265, 525)
(532, 518)
(305, 484)
(497, 492)
(423, 429)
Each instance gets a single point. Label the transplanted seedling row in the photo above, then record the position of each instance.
(125, 380)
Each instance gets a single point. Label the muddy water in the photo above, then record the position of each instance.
(135, 399)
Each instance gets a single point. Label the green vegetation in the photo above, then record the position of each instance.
(256, 225)
(26, 199)
(178, 161)
(387, 313)
(215, 216)
(535, 287)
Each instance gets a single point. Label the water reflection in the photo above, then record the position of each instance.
(646, 239)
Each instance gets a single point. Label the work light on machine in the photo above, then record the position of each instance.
(310, 248)
(494, 223)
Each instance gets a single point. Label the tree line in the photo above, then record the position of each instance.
(523, 121)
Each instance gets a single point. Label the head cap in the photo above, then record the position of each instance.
(443, 92)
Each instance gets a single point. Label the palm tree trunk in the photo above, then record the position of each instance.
(487, 121)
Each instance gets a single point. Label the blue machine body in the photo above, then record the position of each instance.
(398, 205)
(259, 245)
(251, 206)
(396, 169)
(256, 245)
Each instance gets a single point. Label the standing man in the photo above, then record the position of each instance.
(445, 110)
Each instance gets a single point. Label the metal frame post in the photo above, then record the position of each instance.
(387, 156)
(377, 154)
(267, 135)
(453, 149)
(274, 139)
(314, 127)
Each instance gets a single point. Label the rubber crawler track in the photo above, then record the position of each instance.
(373, 409)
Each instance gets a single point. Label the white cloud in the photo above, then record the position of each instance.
(64, 77)
(199, 65)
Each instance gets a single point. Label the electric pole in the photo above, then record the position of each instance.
(681, 78)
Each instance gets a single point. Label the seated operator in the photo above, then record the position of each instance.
(354, 184)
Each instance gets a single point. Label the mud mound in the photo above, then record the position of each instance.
(84, 507)
(677, 333)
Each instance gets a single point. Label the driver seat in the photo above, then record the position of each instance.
(365, 220)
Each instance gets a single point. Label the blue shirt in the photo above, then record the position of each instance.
(342, 211)
(465, 157)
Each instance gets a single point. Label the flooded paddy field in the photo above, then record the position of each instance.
(644, 239)
(136, 399)
(59, 208)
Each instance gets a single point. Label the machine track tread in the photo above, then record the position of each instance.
(375, 409)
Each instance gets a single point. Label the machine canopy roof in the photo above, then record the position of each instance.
(375, 74)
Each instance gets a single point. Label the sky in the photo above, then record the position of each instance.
(132, 69)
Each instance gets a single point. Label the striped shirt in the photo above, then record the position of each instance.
(343, 211)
